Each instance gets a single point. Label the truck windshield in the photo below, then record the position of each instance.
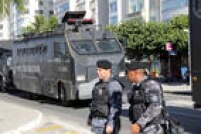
(108, 46)
(84, 47)
(87, 47)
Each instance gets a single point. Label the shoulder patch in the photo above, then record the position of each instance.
(152, 85)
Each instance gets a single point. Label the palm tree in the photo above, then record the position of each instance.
(41, 24)
(5, 6)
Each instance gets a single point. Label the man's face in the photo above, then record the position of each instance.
(135, 75)
(103, 73)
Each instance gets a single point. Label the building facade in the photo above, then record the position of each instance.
(98, 10)
(147, 10)
(61, 6)
(172, 8)
(4, 29)
(117, 10)
(32, 8)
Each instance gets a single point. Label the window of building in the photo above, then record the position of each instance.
(153, 18)
(113, 6)
(135, 5)
(51, 12)
(39, 11)
(113, 20)
(26, 11)
(173, 4)
(1, 34)
(26, 2)
(65, 7)
(1, 26)
(41, 3)
(50, 3)
(154, 10)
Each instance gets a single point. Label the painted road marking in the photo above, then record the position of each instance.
(54, 128)
(70, 132)
(49, 127)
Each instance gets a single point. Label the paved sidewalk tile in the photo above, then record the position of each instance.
(15, 119)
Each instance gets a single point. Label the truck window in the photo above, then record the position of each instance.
(60, 50)
(108, 46)
(83, 47)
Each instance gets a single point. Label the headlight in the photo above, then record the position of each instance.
(80, 78)
(122, 74)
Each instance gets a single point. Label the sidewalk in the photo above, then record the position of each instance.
(16, 119)
(176, 87)
(52, 125)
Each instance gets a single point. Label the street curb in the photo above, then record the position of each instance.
(30, 125)
(180, 103)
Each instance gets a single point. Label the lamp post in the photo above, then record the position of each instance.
(189, 56)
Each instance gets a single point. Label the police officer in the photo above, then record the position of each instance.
(145, 100)
(106, 101)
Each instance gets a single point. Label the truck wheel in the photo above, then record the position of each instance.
(62, 95)
(197, 106)
(3, 89)
(1, 83)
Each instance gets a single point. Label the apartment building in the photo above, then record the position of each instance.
(18, 20)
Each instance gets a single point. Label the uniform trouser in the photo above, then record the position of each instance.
(153, 129)
(98, 125)
(117, 126)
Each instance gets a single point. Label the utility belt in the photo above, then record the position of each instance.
(100, 113)
(157, 120)
(152, 127)
(136, 111)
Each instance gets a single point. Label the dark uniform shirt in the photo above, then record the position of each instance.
(115, 101)
(153, 98)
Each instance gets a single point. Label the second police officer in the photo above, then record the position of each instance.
(106, 101)
(146, 101)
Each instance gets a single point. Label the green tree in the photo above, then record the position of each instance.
(52, 22)
(177, 34)
(145, 39)
(5, 6)
(41, 24)
(28, 29)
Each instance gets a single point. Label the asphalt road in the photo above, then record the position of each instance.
(178, 105)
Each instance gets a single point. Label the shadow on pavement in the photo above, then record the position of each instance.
(190, 119)
(47, 100)
(175, 83)
(185, 93)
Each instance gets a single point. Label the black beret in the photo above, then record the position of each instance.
(137, 65)
(105, 64)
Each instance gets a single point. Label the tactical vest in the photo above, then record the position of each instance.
(100, 100)
(138, 103)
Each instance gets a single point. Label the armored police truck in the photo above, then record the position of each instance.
(195, 49)
(62, 63)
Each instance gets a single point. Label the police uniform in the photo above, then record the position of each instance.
(146, 103)
(106, 103)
